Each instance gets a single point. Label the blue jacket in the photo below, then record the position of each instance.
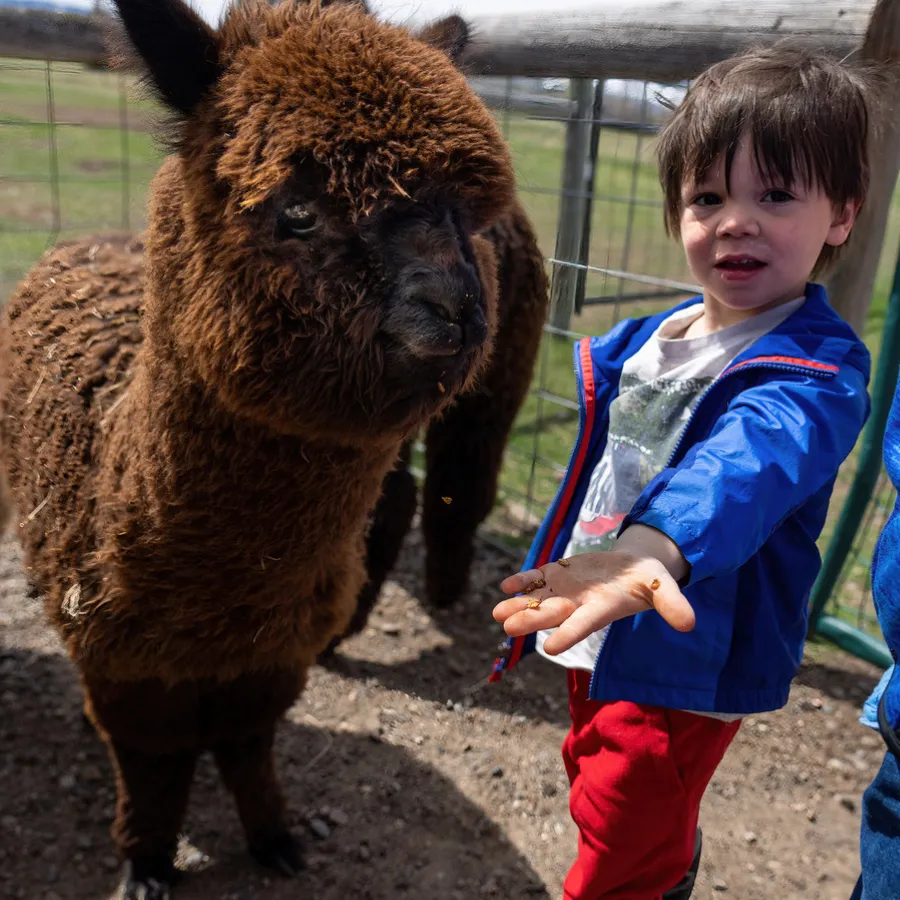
(886, 588)
(744, 496)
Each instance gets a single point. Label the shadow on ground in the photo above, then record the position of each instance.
(378, 822)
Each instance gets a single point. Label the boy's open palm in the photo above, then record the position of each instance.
(585, 593)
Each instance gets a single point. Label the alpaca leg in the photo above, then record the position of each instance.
(463, 463)
(463, 456)
(388, 526)
(248, 770)
(241, 718)
(151, 734)
(153, 790)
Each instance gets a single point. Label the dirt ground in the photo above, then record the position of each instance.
(412, 777)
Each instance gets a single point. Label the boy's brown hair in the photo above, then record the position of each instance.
(807, 114)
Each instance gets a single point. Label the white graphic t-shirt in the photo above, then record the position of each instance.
(659, 389)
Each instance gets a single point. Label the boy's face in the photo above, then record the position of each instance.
(754, 246)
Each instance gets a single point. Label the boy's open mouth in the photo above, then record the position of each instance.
(739, 264)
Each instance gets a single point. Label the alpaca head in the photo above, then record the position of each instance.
(315, 258)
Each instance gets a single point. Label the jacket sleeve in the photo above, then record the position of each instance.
(775, 446)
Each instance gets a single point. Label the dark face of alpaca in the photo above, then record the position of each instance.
(315, 257)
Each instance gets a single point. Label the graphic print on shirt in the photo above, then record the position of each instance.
(645, 422)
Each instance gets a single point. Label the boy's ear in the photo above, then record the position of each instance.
(843, 218)
(176, 48)
(450, 35)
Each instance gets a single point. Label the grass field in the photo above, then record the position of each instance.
(103, 170)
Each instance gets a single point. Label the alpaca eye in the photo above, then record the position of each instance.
(297, 221)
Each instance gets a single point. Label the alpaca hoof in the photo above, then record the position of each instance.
(151, 889)
(281, 852)
(148, 878)
(447, 578)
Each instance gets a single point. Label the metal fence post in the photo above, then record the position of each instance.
(567, 288)
(590, 173)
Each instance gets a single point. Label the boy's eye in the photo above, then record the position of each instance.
(706, 199)
(778, 195)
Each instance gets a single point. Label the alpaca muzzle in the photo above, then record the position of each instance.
(437, 313)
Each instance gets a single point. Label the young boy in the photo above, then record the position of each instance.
(710, 437)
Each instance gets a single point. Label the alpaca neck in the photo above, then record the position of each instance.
(202, 464)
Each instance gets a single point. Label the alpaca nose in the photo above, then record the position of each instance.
(452, 296)
(438, 311)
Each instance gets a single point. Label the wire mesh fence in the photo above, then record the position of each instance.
(851, 600)
(77, 153)
(75, 158)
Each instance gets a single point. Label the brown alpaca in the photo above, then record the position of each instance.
(193, 449)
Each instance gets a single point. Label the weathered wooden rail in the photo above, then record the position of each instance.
(40, 34)
(656, 40)
(653, 40)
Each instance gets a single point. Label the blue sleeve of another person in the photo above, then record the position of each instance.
(886, 579)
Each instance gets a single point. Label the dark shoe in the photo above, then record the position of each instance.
(685, 887)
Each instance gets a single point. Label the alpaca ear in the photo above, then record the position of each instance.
(450, 35)
(178, 49)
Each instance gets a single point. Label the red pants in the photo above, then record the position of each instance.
(638, 774)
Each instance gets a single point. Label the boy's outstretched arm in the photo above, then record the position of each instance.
(587, 592)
